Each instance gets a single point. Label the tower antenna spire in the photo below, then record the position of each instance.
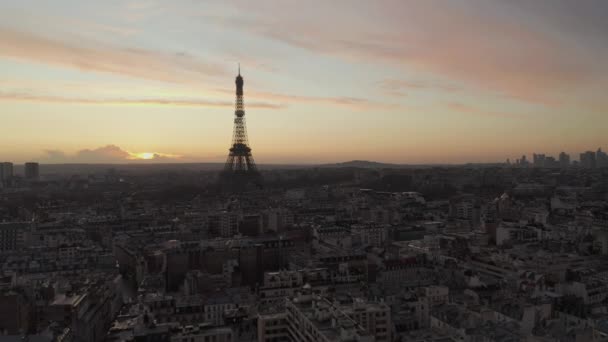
(239, 68)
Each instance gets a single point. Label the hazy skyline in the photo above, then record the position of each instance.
(392, 81)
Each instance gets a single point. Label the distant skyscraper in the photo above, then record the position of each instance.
(587, 160)
(538, 160)
(6, 171)
(601, 158)
(564, 160)
(550, 162)
(32, 171)
(240, 167)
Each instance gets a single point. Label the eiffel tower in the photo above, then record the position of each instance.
(240, 169)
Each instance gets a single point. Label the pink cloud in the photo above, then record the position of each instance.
(105, 58)
(480, 48)
(473, 110)
(355, 103)
(29, 97)
(343, 101)
(400, 87)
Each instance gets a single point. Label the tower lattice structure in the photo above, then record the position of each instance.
(240, 164)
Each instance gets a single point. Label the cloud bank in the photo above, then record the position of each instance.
(108, 154)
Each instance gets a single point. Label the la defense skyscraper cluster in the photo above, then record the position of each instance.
(240, 169)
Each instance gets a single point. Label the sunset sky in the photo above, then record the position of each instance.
(325, 81)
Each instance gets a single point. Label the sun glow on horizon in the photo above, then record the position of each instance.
(145, 155)
(151, 156)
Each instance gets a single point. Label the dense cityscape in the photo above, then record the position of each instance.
(418, 171)
(499, 253)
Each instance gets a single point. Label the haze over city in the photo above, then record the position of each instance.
(391, 81)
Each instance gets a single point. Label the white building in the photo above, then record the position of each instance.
(202, 333)
(314, 318)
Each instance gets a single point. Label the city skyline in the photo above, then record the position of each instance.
(396, 82)
(543, 160)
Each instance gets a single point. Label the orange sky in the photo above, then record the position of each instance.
(393, 81)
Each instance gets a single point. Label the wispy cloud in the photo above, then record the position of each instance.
(476, 111)
(69, 24)
(25, 97)
(140, 10)
(469, 44)
(399, 87)
(343, 101)
(355, 103)
(176, 67)
(262, 100)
